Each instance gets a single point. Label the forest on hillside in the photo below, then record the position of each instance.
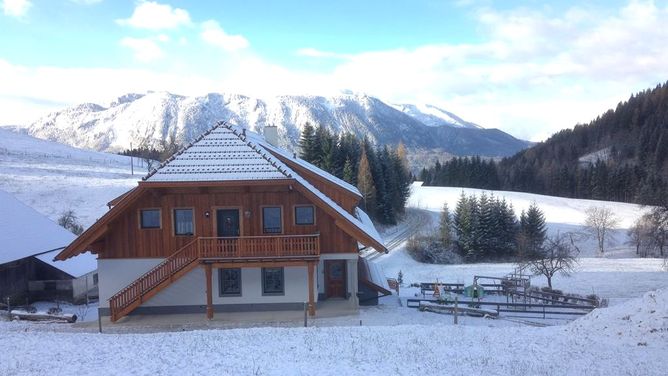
(621, 155)
(380, 173)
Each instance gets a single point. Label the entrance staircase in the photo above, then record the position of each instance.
(202, 250)
(153, 281)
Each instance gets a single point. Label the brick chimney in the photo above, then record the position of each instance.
(271, 134)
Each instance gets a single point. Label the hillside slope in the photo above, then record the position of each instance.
(51, 177)
(621, 155)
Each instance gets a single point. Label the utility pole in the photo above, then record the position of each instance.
(132, 163)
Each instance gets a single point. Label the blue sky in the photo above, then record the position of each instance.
(527, 67)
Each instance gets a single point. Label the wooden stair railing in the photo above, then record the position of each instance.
(189, 256)
(156, 279)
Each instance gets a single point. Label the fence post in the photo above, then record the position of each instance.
(456, 305)
(305, 314)
(99, 320)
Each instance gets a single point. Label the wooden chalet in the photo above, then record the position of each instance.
(229, 223)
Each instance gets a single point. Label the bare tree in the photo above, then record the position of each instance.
(599, 222)
(70, 221)
(558, 256)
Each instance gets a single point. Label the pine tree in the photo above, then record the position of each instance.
(365, 183)
(308, 152)
(445, 227)
(349, 172)
(534, 230)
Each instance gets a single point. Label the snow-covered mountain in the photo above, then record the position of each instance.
(433, 116)
(149, 119)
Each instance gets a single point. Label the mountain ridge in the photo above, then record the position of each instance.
(155, 118)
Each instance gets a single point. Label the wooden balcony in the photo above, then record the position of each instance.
(259, 247)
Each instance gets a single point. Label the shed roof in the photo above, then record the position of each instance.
(25, 233)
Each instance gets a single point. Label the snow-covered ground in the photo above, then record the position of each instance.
(630, 339)
(617, 276)
(52, 177)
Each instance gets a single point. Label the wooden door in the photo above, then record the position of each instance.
(335, 278)
(227, 221)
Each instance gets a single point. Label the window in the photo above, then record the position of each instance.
(272, 281)
(304, 215)
(95, 279)
(230, 282)
(271, 220)
(149, 218)
(183, 222)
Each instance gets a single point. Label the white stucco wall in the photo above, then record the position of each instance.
(115, 274)
(191, 288)
(296, 287)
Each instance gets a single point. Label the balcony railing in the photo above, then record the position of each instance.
(259, 246)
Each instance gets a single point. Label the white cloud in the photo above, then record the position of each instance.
(534, 72)
(154, 16)
(145, 49)
(49, 88)
(86, 2)
(313, 52)
(214, 35)
(16, 8)
(521, 77)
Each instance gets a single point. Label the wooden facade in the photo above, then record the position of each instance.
(227, 183)
(126, 239)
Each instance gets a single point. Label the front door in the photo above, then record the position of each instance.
(335, 278)
(227, 221)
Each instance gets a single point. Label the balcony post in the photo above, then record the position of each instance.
(311, 289)
(209, 294)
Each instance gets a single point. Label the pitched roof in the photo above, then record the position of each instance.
(230, 153)
(221, 154)
(304, 164)
(24, 233)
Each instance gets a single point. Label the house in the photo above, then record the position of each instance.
(28, 243)
(230, 223)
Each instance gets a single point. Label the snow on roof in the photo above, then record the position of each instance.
(316, 170)
(24, 232)
(228, 153)
(366, 222)
(219, 155)
(74, 266)
(376, 273)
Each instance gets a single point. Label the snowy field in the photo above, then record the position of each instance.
(52, 177)
(629, 339)
(618, 275)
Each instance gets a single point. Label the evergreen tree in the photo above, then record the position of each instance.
(534, 230)
(365, 183)
(307, 144)
(349, 172)
(445, 227)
